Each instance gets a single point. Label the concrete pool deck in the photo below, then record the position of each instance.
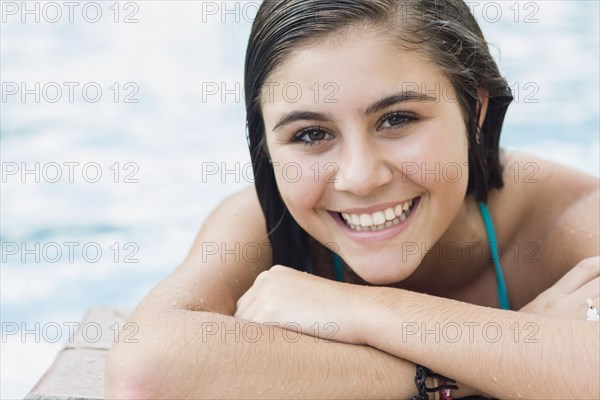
(78, 370)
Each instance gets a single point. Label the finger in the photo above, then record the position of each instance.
(251, 293)
(590, 290)
(579, 275)
(244, 302)
(242, 310)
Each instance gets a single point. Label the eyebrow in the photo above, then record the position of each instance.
(401, 97)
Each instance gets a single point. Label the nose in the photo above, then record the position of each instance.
(362, 168)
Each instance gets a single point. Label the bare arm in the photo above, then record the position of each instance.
(188, 354)
(507, 354)
(191, 347)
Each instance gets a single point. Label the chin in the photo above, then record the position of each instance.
(386, 275)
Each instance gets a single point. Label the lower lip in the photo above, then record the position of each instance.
(375, 236)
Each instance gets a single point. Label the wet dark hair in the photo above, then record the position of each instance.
(445, 31)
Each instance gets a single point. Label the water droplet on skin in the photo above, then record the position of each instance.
(494, 379)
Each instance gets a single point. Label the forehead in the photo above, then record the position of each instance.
(348, 70)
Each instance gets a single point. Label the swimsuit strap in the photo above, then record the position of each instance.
(491, 233)
(339, 268)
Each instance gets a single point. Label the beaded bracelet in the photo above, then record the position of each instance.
(442, 392)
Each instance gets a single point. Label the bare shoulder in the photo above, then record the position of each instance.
(553, 206)
(230, 250)
(242, 206)
(528, 174)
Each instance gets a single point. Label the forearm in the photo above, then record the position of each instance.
(207, 355)
(504, 353)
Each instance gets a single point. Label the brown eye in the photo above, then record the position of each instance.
(397, 119)
(311, 136)
(316, 135)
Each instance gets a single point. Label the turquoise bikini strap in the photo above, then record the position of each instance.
(489, 228)
(339, 268)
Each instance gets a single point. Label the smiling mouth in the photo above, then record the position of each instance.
(379, 220)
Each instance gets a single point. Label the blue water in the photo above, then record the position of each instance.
(163, 141)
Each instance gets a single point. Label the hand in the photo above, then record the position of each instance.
(567, 297)
(307, 303)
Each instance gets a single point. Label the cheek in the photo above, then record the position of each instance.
(299, 186)
(437, 159)
(435, 164)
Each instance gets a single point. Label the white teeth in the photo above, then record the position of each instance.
(366, 220)
(380, 219)
(390, 214)
(398, 210)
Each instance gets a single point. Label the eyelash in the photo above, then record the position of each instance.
(305, 131)
(408, 117)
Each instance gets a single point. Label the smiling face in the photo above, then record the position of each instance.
(369, 148)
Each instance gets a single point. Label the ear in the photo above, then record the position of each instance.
(484, 99)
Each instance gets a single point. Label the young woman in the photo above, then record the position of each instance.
(373, 130)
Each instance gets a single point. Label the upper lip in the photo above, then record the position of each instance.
(373, 209)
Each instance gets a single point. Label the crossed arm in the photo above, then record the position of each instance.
(191, 345)
(506, 354)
